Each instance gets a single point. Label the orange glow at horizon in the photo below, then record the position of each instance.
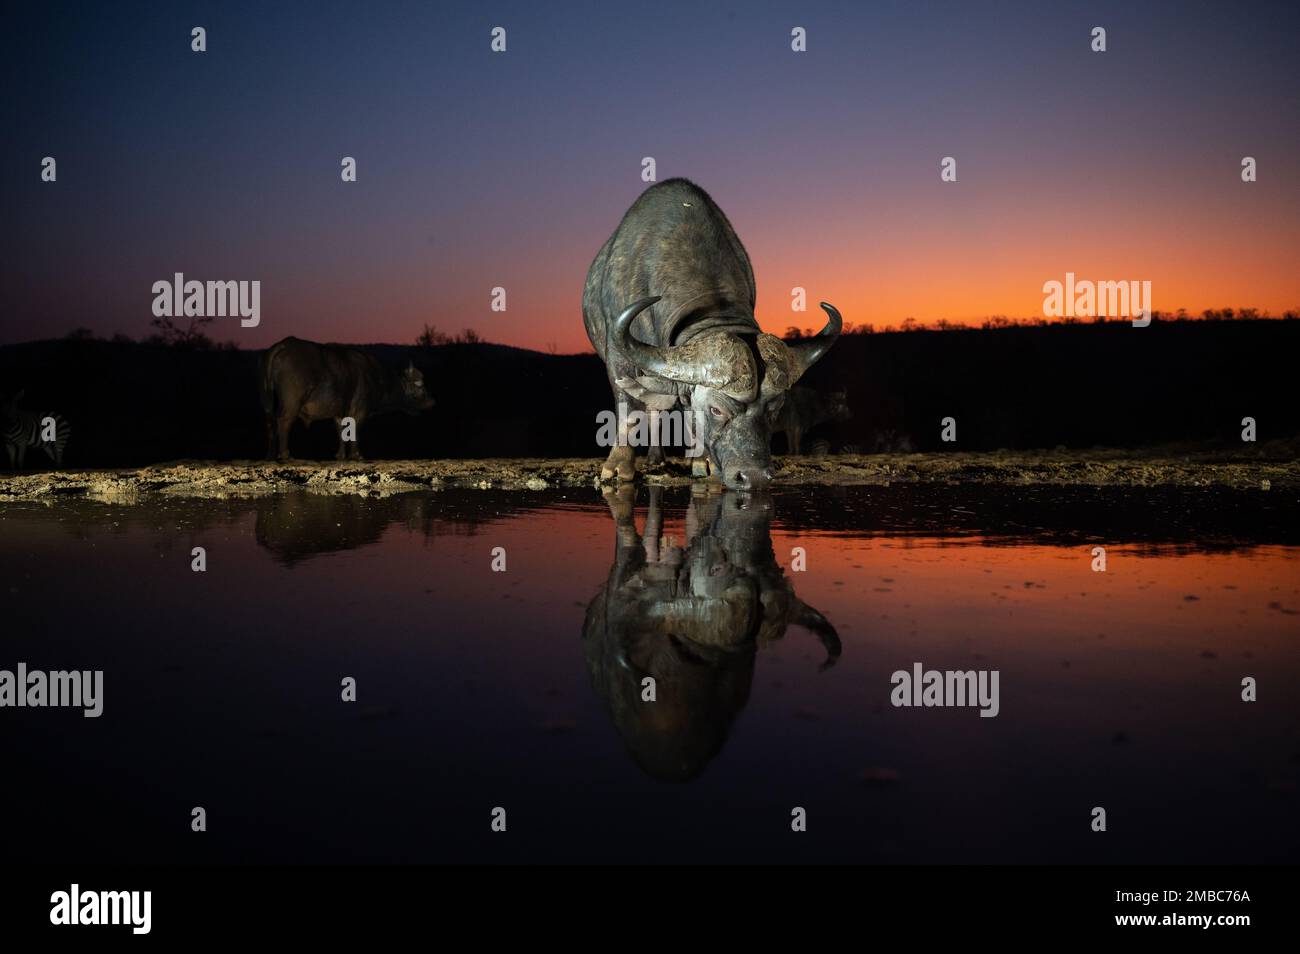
(961, 262)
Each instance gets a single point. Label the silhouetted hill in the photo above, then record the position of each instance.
(1075, 385)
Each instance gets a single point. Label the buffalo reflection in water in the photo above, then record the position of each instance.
(296, 526)
(692, 618)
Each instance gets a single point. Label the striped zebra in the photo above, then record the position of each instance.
(23, 429)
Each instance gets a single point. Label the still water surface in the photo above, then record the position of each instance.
(523, 689)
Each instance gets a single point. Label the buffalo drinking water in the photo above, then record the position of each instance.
(669, 307)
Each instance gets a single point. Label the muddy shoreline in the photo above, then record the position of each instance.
(218, 480)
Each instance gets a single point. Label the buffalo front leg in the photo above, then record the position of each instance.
(654, 455)
(347, 435)
(282, 425)
(270, 437)
(352, 446)
(621, 462)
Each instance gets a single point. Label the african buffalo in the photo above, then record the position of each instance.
(313, 382)
(669, 307)
(804, 409)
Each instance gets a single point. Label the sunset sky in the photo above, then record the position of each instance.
(479, 169)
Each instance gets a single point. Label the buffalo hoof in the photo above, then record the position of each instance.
(620, 464)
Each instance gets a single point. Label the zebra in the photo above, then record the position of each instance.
(23, 429)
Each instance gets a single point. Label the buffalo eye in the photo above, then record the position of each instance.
(715, 410)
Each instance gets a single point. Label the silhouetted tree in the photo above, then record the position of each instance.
(430, 337)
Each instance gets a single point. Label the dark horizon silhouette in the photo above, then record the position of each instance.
(1084, 385)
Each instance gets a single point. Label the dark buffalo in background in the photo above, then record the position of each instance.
(805, 409)
(669, 307)
(306, 381)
